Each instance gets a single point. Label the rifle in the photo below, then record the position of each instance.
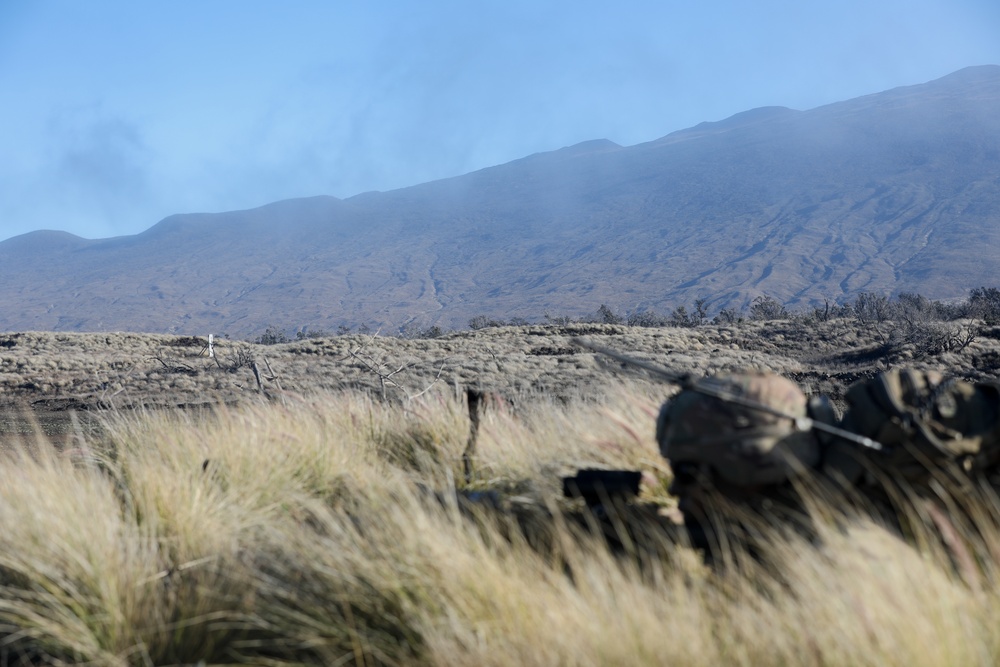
(714, 388)
(600, 487)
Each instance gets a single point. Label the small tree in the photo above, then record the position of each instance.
(872, 311)
(680, 318)
(412, 330)
(872, 308)
(305, 333)
(831, 311)
(700, 312)
(728, 316)
(984, 304)
(646, 318)
(767, 308)
(271, 336)
(914, 309)
(607, 316)
(558, 319)
(479, 322)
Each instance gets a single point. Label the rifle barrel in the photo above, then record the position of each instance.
(704, 386)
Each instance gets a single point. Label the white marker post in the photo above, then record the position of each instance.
(211, 346)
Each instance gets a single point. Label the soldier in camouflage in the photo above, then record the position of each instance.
(735, 446)
(744, 448)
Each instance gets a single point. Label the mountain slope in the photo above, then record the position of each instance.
(897, 191)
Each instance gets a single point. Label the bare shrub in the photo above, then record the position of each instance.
(984, 304)
(728, 316)
(414, 331)
(189, 341)
(830, 311)
(646, 318)
(272, 336)
(873, 311)
(561, 320)
(484, 322)
(680, 318)
(241, 355)
(306, 333)
(920, 340)
(766, 308)
(607, 316)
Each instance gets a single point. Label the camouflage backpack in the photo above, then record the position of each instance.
(743, 428)
(924, 422)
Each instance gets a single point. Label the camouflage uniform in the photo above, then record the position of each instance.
(928, 425)
(740, 467)
(940, 438)
(735, 447)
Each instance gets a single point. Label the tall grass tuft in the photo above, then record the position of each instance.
(331, 531)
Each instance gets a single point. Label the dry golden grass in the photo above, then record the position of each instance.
(305, 532)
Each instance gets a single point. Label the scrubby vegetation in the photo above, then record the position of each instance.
(62, 371)
(983, 303)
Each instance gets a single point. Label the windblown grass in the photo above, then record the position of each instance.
(326, 531)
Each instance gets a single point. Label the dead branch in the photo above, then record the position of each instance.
(272, 376)
(379, 368)
(256, 376)
(177, 367)
(428, 387)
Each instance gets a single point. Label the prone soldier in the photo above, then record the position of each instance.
(749, 453)
(737, 450)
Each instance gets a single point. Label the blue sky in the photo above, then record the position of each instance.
(116, 114)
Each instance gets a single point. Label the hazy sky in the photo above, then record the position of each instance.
(116, 114)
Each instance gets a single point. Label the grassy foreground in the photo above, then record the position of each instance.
(300, 533)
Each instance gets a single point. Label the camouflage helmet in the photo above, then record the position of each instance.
(715, 423)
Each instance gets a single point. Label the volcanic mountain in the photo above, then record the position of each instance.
(893, 192)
